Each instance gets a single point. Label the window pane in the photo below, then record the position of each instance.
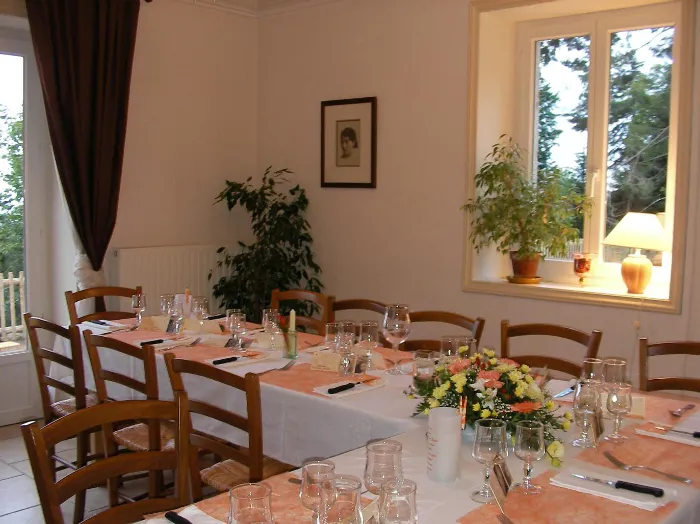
(640, 95)
(561, 112)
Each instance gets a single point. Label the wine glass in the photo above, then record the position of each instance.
(582, 265)
(313, 474)
(619, 403)
(529, 447)
(200, 311)
(270, 319)
(395, 328)
(489, 442)
(349, 330)
(369, 339)
(333, 331)
(586, 402)
(592, 369)
(614, 371)
(165, 302)
(176, 318)
(250, 504)
(238, 327)
(138, 304)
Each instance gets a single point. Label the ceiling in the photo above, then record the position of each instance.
(258, 7)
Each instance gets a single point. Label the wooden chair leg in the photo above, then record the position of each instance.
(83, 448)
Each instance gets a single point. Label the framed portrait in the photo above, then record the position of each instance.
(349, 142)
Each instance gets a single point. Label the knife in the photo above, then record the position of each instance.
(224, 360)
(216, 317)
(564, 392)
(152, 342)
(694, 434)
(621, 484)
(349, 385)
(175, 518)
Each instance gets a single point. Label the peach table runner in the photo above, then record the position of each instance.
(300, 378)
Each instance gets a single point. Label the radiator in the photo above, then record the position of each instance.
(163, 270)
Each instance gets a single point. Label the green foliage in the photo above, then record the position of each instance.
(515, 211)
(548, 132)
(281, 255)
(11, 193)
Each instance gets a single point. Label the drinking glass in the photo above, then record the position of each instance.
(340, 500)
(349, 330)
(586, 402)
(383, 463)
(348, 361)
(333, 331)
(166, 301)
(450, 346)
(529, 447)
(250, 503)
(230, 313)
(425, 364)
(619, 403)
(200, 311)
(397, 502)
(395, 328)
(238, 327)
(582, 265)
(176, 318)
(592, 369)
(615, 371)
(270, 320)
(489, 442)
(138, 304)
(369, 339)
(313, 474)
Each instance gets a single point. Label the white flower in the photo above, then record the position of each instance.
(478, 384)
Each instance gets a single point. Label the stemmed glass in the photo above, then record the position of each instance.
(176, 318)
(349, 331)
(619, 403)
(529, 447)
(333, 332)
(586, 402)
(592, 369)
(238, 327)
(489, 442)
(166, 301)
(138, 304)
(313, 474)
(614, 370)
(200, 310)
(271, 325)
(395, 328)
(369, 339)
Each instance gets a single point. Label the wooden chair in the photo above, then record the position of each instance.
(324, 301)
(647, 350)
(99, 294)
(241, 464)
(134, 437)
(75, 388)
(590, 340)
(359, 303)
(475, 326)
(51, 493)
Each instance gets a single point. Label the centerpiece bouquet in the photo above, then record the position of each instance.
(483, 386)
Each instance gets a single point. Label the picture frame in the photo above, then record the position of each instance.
(349, 142)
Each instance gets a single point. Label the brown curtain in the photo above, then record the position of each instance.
(84, 51)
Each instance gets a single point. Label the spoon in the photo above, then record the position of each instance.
(679, 412)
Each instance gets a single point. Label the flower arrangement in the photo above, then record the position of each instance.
(483, 386)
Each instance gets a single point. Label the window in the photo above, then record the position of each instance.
(596, 95)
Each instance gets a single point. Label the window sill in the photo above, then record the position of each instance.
(586, 294)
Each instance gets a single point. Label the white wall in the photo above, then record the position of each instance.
(403, 241)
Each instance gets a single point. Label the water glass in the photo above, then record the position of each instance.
(368, 339)
(250, 503)
(453, 347)
(340, 500)
(586, 403)
(348, 361)
(176, 320)
(230, 312)
(425, 364)
(383, 463)
(166, 302)
(270, 320)
(529, 447)
(396, 327)
(614, 371)
(238, 327)
(619, 403)
(592, 369)
(349, 330)
(200, 310)
(313, 474)
(333, 331)
(138, 304)
(397, 502)
(489, 443)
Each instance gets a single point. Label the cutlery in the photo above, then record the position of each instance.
(176, 519)
(216, 317)
(295, 480)
(226, 360)
(317, 344)
(285, 368)
(621, 484)
(694, 434)
(349, 385)
(152, 342)
(564, 392)
(627, 467)
(679, 412)
(503, 518)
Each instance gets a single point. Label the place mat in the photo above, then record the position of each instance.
(557, 505)
(640, 450)
(657, 408)
(648, 430)
(300, 378)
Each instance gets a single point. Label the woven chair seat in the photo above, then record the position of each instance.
(135, 438)
(66, 407)
(229, 473)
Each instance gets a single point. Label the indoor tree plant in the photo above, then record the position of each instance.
(520, 214)
(280, 257)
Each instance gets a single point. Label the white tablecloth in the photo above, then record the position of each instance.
(296, 426)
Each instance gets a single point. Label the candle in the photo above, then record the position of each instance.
(292, 320)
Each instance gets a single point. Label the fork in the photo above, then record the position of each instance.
(503, 519)
(627, 467)
(679, 412)
(285, 368)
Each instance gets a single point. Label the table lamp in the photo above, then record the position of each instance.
(638, 231)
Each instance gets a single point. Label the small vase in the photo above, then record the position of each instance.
(290, 349)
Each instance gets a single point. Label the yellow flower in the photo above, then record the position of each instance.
(520, 391)
(550, 405)
(515, 376)
(463, 349)
(476, 407)
(556, 450)
(474, 357)
(529, 379)
(568, 415)
(426, 411)
(459, 388)
(493, 361)
(505, 368)
(489, 353)
(566, 425)
(439, 393)
(459, 380)
(494, 413)
(485, 413)
(433, 403)
(534, 391)
(525, 368)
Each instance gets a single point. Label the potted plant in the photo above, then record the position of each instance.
(520, 214)
(281, 255)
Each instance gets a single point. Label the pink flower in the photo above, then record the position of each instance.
(459, 365)
(525, 407)
(491, 379)
(509, 362)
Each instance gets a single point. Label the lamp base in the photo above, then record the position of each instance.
(636, 272)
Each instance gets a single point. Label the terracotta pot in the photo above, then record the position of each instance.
(525, 266)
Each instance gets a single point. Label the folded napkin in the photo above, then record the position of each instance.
(167, 344)
(649, 430)
(218, 341)
(107, 327)
(639, 500)
(192, 513)
(264, 340)
(210, 326)
(359, 388)
(155, 323)
(556, 386)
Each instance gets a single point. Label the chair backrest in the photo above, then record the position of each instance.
(75, 362)
(39, 440)
(99, 294)
(476, 326)
(647, 350)
(359, 303)
(590, 340)
(324, 301)
(145, 354)
(251, 424)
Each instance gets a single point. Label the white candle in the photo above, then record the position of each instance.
(292, 320)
